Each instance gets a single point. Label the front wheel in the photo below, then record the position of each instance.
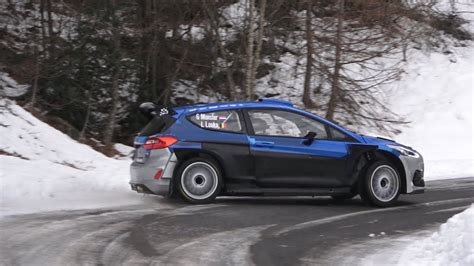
(199, 180)
(380, 185)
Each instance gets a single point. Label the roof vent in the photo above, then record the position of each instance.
(275, 101)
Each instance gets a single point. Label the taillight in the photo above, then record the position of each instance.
(158, 174)
(159, 142)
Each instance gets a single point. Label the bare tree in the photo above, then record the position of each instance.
(309, 56)
(214, 23)
(250, 49)
(258, 50)
(114, 91)
(254, 52)
(335, 89)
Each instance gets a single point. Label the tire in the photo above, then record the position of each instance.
(199, 180)
(380, 184)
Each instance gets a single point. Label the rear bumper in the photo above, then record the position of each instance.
(142, 175)
(414, 173)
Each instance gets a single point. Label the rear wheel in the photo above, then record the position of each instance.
(199, 180)
(380, 185)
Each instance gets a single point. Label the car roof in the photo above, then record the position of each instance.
(234, 105)
(261, 103)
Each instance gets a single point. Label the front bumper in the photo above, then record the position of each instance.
(414, 172)
(142, 175)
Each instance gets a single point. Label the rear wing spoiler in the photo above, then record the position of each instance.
(151, 110)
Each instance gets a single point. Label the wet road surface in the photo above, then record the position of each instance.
(231, 231)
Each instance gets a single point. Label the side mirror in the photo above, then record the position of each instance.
(309, 138)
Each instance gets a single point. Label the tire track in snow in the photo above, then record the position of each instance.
(230, 247)
(223, 248)
(73, 238)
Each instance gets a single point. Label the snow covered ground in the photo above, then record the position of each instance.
(452, 244)
(43, 169)
(436, 97)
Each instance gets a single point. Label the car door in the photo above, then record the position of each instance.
(282, 159)
(222, 134)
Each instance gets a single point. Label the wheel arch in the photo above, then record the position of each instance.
(183, 155)
(364, 155)
(380, 154)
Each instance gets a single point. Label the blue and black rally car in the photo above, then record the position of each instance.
(267, 147)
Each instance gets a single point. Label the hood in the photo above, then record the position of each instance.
(377, 140)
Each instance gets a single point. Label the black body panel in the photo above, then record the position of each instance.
(356, 162)
(290, 170)
(234, 158)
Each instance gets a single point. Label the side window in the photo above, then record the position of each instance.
(227, 120)
(338, 135)
(283, 123)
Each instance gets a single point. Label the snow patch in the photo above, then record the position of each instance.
(124, 150)
(436, 97)
(41, 169)
(452, 244)
(9, 87)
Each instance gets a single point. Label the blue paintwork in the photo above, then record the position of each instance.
(319, 148)
(187, 132)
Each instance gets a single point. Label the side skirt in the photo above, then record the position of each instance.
(256, 191)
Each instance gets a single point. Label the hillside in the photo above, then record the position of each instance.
(428, 97)
(90, 64)
(436, 98)
(42, 169)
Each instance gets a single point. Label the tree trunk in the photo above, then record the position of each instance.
(309, 58)
(34, 90)
(258, 49)
(82, 134)
(114, 92)
(215, 28)
(43, 25)
(250, 51)
(154, 54)
(335, 87)
(167, 93)
(50, 27)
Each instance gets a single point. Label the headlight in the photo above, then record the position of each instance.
(405, 151)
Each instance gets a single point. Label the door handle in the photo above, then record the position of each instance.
(264, 143)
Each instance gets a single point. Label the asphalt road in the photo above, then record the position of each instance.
(232, 231)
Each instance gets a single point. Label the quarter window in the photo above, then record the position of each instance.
(283, 123)
(228, 120)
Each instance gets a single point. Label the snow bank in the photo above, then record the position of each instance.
(43, 169)
(436, 97)
(453, 244)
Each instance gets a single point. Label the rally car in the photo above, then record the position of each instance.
(266, 147)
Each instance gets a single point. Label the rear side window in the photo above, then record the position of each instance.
(157, 125)
(228, 120)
